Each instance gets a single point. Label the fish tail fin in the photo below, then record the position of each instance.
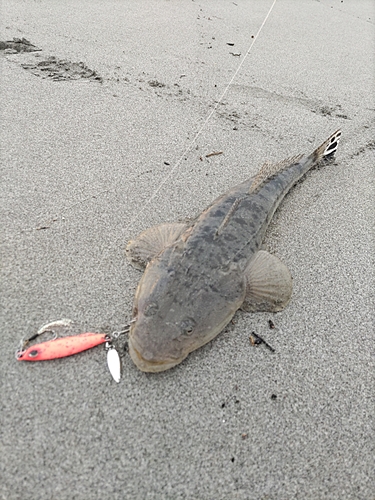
(327, 150)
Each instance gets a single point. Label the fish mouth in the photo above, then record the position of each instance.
(146, 365)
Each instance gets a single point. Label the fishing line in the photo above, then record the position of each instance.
(35, 352)
(192, 143)
(188, 149)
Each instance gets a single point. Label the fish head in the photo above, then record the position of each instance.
(175, 315)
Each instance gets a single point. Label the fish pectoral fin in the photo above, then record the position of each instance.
(151, 242)
(268, 284)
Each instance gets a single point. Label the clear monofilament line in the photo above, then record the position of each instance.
(192, 143)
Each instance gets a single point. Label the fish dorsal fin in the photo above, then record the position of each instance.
(269, 170)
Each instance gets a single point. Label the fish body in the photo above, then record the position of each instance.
(195, 282)
(62, 347)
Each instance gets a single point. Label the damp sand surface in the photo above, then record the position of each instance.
(99, 141)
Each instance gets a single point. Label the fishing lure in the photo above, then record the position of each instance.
(67, 346)
(62, 347)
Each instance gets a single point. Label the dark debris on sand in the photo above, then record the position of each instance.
(18, 45)
(58, 70)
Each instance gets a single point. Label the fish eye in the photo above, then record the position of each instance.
(151, 309)
(187, 326)
(33, 353)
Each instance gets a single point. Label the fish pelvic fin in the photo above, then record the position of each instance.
(269, 170)
(327, 150)
(151, 242)
(269, 284)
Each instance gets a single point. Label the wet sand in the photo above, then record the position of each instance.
(88, 163)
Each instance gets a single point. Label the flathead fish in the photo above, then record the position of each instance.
(198, 275)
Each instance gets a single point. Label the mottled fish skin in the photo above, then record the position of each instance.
(191, 290)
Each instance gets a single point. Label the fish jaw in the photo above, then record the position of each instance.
(150, 366)
(164, 339)
(155, 359)
(154, 351)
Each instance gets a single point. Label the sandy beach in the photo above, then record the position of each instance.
(105, 132)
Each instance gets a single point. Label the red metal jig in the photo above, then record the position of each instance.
(61, 347)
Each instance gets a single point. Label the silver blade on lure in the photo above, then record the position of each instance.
(114, 362)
